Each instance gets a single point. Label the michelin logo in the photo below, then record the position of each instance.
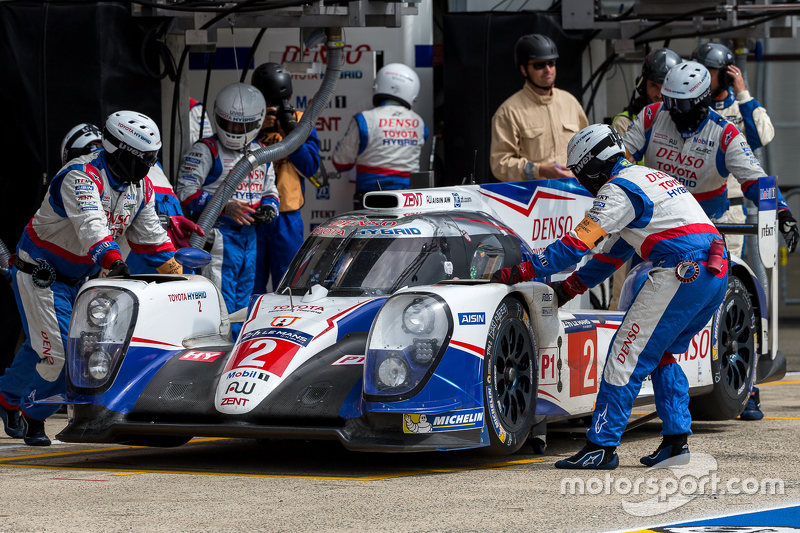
(453, 421)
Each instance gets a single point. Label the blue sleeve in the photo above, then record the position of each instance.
(560, 255)
(601, 266)
(750, 129)
(363, 133)
(306, 158)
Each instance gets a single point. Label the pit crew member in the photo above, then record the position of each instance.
(239, 111)
(384, 143)
(531, 129)
(86, 138)
(649, 212)
(683, 137)
(89, 206)
(280, 239)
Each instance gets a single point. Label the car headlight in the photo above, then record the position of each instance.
(100, 330)
(407, 339)
(101, 310)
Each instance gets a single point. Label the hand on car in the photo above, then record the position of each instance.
(515, 274)
(180, 229)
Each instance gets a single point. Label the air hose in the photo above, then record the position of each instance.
(282, 149)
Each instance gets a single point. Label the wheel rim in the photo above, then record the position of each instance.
(512, 364)
(737, 345)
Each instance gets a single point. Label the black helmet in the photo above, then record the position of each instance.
(655, 67)
(273, 82)
(534, 46)
(713, 55)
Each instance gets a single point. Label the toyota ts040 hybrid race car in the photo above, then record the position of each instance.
(386, 335)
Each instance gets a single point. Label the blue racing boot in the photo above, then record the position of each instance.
(11, 422)
(752, 411)
(674, 447)
(592, 457)
(34, 432)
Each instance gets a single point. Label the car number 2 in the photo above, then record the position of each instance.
(260, 348)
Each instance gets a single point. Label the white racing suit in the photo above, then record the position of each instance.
(384, 144)
(745, 113)
(75, 231)
(651, 213)
(233, 248)
(701, 160)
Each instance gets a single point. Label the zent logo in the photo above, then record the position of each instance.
(412, 199)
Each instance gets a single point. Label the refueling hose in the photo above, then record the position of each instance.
(284, 148)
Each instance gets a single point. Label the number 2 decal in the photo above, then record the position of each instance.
(260, 348)
(582, 363)
(199, 306)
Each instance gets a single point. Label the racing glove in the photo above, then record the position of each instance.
(787, 225)
(264, 214)
(180, 229)
(119, 268)
(567, 289)
(516, 274)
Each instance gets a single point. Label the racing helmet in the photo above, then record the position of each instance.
(534, 46)
(655, 68)
(273, 82)
(592, 154)
(396, 81)
(716, 55)
(686, 94)
(239, 111)
(131, 141)
(83, 139)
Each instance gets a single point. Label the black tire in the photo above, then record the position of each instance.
(512, 378)
(735, 363)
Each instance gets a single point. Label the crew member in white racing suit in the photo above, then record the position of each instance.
(86, 138)
(384, 143)
(646, 211)
(732, 100)
(683, 137)
(239, 111)
(90, 205)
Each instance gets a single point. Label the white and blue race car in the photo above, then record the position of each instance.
(385, 335)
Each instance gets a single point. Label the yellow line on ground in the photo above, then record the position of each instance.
(328, 478)
(780, 383)
(781, 418)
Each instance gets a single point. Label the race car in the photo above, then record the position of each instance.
(385, 334)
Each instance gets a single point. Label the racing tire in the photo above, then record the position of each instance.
(735, 362)
(511, 378)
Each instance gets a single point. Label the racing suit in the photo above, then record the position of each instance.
(85, 213)
(745, 113)
(280, 239)
(531, 128)
(651, 213)
(167, 205)
(701, 160)
(384, 144)
(195, 132)
(233, 246)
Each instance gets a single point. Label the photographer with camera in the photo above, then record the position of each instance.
(280, 239)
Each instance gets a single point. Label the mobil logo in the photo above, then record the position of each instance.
(471, 319)
(412, 199)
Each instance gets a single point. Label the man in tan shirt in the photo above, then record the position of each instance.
(531, 130)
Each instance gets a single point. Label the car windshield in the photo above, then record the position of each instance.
(353, 256)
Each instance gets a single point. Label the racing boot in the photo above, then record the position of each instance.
(752, 411)
(592, 457)
(11, 422)
(34, 432)
(674, 447)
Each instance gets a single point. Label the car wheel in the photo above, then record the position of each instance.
(735, 360)
(510, 387)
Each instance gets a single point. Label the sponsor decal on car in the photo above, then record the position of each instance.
(283, 321)
(471, 319)
(206, 357)
(316, 309)
(350, 360)
(458, 420)
(498, 429)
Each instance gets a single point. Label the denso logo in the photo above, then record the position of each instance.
(627, 342)
(413, 199)
(471, 319)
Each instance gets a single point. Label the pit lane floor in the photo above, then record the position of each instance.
(235, 485)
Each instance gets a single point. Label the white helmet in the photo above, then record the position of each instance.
(131, 141)
(239, 112)
(592, 154)
(83, 139)
(396, 81)
(685, 85)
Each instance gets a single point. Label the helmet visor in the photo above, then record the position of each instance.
(237, 128)
(681, 105)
